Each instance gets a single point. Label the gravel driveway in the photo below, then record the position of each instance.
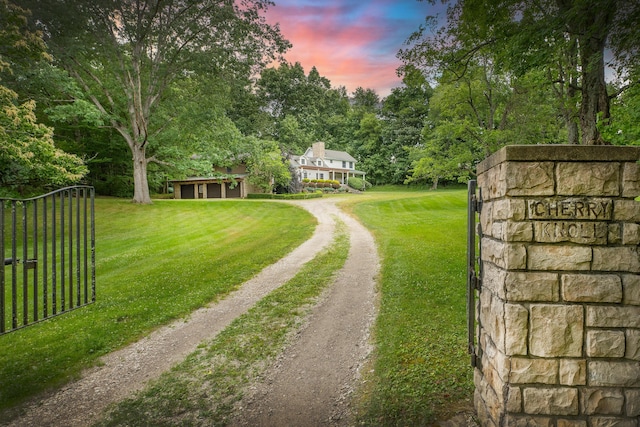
(313, 379)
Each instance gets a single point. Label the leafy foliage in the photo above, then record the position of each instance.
(28, 157)
(126, 56)
(564, 39)
(29, 160)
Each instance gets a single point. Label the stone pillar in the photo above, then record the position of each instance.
(558, 323)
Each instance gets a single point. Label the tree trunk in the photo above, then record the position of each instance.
(140, 183)
(570, 113)
(595, 101)
(591, 25)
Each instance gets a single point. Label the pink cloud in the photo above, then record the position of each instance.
(350, 47)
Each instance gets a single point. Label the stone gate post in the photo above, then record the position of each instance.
(558, 323)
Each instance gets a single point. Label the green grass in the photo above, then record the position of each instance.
(208, 383)
(154, 264)
(159, 262)
(421, 366)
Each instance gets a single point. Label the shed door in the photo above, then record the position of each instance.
(187, 191)
(214, 191)
(233, 192)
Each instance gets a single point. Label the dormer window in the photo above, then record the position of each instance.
(303, 161)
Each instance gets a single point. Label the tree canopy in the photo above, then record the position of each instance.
(126, 55)
(29, 158)
(567, 39)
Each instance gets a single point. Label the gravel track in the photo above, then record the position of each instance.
(313, 379)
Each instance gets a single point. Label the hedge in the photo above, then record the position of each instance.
(284, 196)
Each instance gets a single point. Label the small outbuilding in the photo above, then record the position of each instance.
(227, 183)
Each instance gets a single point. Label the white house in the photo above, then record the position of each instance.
(319, 163)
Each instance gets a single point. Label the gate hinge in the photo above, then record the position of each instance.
(476, 204)
(476, 282)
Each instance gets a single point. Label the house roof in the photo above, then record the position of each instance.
(338, 155)
(330, 155)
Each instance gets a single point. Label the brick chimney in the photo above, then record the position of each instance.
(318, 149)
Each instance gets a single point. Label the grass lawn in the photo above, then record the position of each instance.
(154, 264)
(157, 263)
(421, 369)
(208, 383)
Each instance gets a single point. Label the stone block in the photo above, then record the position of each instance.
(602, 401)
(615, 234)
(533, 371)
(591, 288)
(633, 402)
(631, 289)
(605, 316)
(509, 210)
(493, 280)
(492, 379)
(631, 180)
(516, 318)
(582, 233)
(589, 179)
(556, 257)
(573, 372)
(514, 399)
(632, 347)
(605, 343)
(571, 423)
(482, 411)
(493, 183)
(529, 178)
(536, 287)
(486, 218)
(497, 230)
(509, 256)
(622, 258)
(556, 330)
(527, 421)
(550, 401)
(626, 210)
(607, 373)
(612, 422)
(492, 355)
(518, 231)
(492, 318)
(630, 233)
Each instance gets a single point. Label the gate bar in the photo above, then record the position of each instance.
(472, 208)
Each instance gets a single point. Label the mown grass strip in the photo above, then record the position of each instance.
(203, 388)
(154, 264)
(421, 366)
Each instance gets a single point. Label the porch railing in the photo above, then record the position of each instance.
(48, 246)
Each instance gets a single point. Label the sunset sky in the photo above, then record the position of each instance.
(351, 42)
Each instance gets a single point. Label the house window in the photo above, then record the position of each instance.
(351, 165)
(321, 176)
(303, 162)
(344, 164)
(305, 175)
(319, 162)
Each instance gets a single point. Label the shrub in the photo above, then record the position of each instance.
(297, 196)
(358, 183)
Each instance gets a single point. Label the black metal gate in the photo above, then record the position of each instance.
(48, 246)
(474, 266)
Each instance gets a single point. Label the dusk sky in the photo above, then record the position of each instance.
(351, 42)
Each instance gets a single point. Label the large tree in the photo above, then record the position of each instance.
(302, 107)
(126, 54)
(567, 36)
